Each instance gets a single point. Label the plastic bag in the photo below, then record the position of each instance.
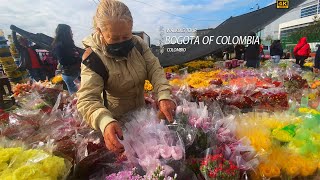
(150, 144)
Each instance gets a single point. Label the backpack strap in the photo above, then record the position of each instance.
(91, 60)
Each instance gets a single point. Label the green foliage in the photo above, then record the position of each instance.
(311, 32)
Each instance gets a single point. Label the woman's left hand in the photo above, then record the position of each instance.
(167, 107)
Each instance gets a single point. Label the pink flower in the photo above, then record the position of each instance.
(154, 152)
(177, 152)
(198, 123)
(186, 110)
(148, 163)
(192, 121)
(179, 110)
(167, 170)
(165, 151)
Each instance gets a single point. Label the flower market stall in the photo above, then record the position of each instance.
(229, 124)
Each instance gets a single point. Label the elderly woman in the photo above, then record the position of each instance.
(129, 62)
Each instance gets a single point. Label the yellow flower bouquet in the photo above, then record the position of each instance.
(148, 86)
(57, 79)
(286, 144)
(20, 164)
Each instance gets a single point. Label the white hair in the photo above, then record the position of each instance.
(111, 10)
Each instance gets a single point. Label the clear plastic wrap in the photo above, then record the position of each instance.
(18, 162)
(195, 115)
(238, 151)
(150, 144)
(92, 156)
(214, 166)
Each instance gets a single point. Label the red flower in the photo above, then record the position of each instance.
(211, 174)
(205, 163)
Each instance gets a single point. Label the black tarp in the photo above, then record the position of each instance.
(40, 39)
(234, 26)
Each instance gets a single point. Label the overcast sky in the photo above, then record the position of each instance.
(42, 16)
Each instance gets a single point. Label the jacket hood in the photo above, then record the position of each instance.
(303, 40)
(93, 41)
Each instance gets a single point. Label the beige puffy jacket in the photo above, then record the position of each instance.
(125, 86)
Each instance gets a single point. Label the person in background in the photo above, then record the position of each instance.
(130, 62)
(276, 51)
(29, 59)
(252, 54)
(226, 55)
(287, 55)
(64, 49)
(261, 52)
(239, 50)
(301, 51)
(317, 60)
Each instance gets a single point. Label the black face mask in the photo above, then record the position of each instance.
(120, 49)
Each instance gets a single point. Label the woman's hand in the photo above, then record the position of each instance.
(167, 107)
(111, 134)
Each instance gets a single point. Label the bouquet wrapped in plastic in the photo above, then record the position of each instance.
(238, 151)
(158, 174)
(150, 144)
(294, 82)
(195, 115)
(60, 127)
(271, 99)
(16, 162)
(20, 124)
(286, 144)
(196, 124)
(46, 90)
(216, 167)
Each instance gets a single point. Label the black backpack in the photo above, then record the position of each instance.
(91, 60)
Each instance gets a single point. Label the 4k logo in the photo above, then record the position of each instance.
(282, 4)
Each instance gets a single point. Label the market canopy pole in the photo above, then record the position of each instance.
(40, 39)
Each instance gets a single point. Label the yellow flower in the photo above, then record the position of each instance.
(3, 166)
(312, 96)
(292, 169)
(309, 111)
(31, 171)
(6, 154)
(198, 65)
(31, 164)
(148, 86)
(269, 170)
(308, 167)
(57, 79)
(176, 82)
(309, 64)
(172, 69)
(273, 123)
(259, 138)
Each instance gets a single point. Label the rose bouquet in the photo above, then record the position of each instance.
(216, 167)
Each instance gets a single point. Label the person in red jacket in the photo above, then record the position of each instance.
(301, 51)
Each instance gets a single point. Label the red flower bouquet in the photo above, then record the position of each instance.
(216, 167)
